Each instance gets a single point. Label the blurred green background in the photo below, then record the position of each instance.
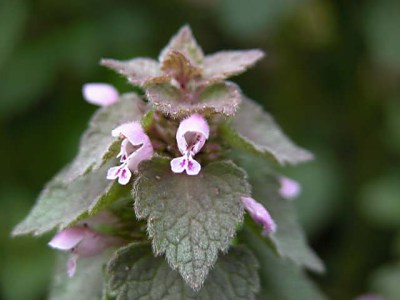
(331, 79)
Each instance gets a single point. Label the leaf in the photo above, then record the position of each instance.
(138, 71)
(97, 145)
(185, 43)
(224, 64)
(133, 273)
(190, 218)
(221, 98)
(289, 239)
(255, 131)
(179, 67)
(86, 284)
(280, 279)
(62, 203)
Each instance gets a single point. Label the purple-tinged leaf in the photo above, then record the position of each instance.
(185, 43)
(224, 64)
(138, 71)
(178, 66)
(223, 98)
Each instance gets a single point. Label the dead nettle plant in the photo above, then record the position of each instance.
(154, 204)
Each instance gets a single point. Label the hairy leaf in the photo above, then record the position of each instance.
(62, 203)
(221, 98)
(86, 284)
(280, 279)
(190, 218)
(185, 43)
(289, 239)
(224, 64)
(179, 67)
(138, 71)
(255, 130)
(97, 145)
(135, 274)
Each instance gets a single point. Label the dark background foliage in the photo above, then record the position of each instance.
(331, 79)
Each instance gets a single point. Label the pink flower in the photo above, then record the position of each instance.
(191, 136)
(289, 189)
(135, 148)
(260, 215)
(101, 94)
(81, 241)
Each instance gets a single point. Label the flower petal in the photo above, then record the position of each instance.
(124, 176)
(193, 167)
(143, 153)
(259, 214)
(289, 189)
(113, 173)
(196, 124)
(71, 265)
(123, 153)
(134, 136)
(95, 243)
(68, 238)
(178, 164)
(101, 94)
(133, 132)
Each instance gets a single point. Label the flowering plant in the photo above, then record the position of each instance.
(191, 156)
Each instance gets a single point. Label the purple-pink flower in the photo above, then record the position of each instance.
(260, 215)
(135, 148)
(289, 189)
(191, 136)
(101, 94)
(81, 241)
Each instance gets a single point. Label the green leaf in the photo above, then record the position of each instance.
(280, 279)
(255, 131)
(225, 64)
(62, 203)
(190, 218)
(86, 284)
(69, 196)
(147, 120)
(138, 71)
(97, 145)
(289, 239)
(185, 43)
(135, 274)
(221, 98)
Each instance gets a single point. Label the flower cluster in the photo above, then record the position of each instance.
(191, 137)
(135, 147)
